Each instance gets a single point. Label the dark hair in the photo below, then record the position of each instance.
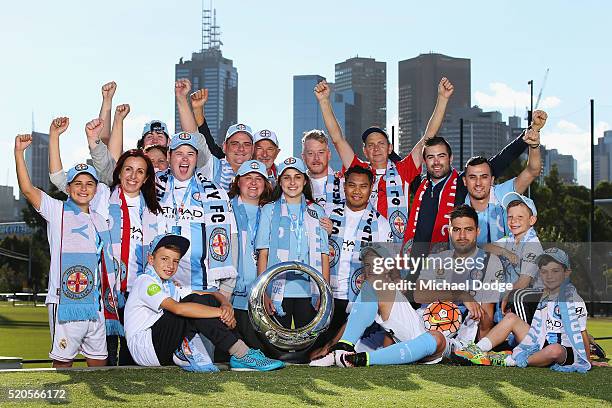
(140, 143)
(148, 188)
(515, 203)
(435, 141)
(545, 259)
(464, 210)
(278, 191)
(163, 149)
(264, 198)
(171, 247)
(478, 160)
(359, 170)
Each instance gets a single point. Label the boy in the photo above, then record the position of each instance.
(557, 336)
(159, 315)
(76, 319)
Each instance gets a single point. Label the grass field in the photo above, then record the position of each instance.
(24, 332)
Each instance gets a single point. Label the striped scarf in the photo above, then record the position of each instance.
(397, 202)
(223, 174)
(246, 249)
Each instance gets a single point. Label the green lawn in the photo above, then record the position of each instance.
(24, 332)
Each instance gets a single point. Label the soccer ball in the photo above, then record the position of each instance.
(444, 317)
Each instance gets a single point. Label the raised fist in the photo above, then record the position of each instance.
(59, 125)
(445, 88)
(532, 137)
(122, 111)
(182, 87)
(199, 98)
(93, 128)
(22, 142)
(322, 90)
(108, 90)
(538, 119)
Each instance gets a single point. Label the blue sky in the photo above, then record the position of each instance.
(56, 56)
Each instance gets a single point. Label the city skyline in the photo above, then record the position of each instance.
(298, 41)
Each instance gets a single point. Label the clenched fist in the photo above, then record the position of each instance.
(121, 111)
(22, 142)
(182, 87)
(322, 91)
(108, 90)
(59, 125)
(445, 88)
(538, 119)
(199, 98)
(93, 128)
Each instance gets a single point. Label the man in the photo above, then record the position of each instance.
(355, 224)
(326, 184)
(238, 145)
(266, 151)
(465, 265)
(485, 197)
(390, 194)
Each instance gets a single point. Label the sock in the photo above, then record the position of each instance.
(510, 362)
(405, 352)
(177, 361)
(361, 317)
(239, 349)
(485, 344)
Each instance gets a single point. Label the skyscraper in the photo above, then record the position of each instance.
(209, 69)
(367, 79)
(566, 165)
(418, 90)
(603, 158)
(37, 159)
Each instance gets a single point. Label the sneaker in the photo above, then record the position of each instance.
(327, 360)
(192, 360)
(473, 355)
(354, 360)
(498, 358)
(255, 360)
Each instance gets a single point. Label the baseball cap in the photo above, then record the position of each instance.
(291, 163)
(169, 239)
(557, 254)
(253, 166)
(265, 134)
(182, 138)
(512, 196)
(371, 130)
(153, 126)
(79, 169)
(239, 127)
(379, 249)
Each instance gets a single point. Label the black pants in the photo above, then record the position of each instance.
(251, 337)
(339, 317)
(524, 302)
(298, 310)
(168, 332)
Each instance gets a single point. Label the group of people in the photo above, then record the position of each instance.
(156, 249)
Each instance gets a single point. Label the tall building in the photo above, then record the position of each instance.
(209, 69)
(307, 114)
(418, 91)
(603, 158)
(10, 208)
(367, 79)
(37, 159)
(484, 133)
(566, 165)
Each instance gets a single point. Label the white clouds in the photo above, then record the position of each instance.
(503, 96)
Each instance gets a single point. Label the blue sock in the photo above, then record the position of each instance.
(361, 317)
(405, 352)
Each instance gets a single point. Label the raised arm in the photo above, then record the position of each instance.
(182, 87)
(115, 144)
(29, 191)
(108, 91)
(198, 100)
(344, 149)
(445, 91)
(56, 169)
(534, 161)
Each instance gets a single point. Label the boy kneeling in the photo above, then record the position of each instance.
(161, 318)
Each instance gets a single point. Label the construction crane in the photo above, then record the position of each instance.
(542, 88)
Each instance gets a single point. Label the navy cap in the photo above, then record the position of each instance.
(170, 239)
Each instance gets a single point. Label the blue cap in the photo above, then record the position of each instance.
(183, 138)
(169, 239)
(291, 163)
(79, 169)
(371, 130)
(155, 125)
(512, 196)
(557, 254)
(253, 166)
(238, 127)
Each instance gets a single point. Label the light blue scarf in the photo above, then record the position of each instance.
(223, 174)
(246, 252)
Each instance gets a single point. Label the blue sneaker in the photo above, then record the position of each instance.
(192, 360)
(255, 360)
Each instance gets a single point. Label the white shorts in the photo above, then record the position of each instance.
(404, 323)
(71, 338)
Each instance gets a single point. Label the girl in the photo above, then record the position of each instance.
(290, 230)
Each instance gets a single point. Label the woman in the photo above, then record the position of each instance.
(290, 231)
(130, 208)
(249, 191)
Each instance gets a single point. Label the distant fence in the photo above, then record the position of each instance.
(24, 298)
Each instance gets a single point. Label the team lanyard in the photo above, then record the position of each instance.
(185, 197)
(297, 226)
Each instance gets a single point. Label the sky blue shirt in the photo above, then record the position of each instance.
(248, 274)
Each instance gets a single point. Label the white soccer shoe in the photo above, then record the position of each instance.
(329, 360)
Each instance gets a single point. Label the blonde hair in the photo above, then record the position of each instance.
(315, 134)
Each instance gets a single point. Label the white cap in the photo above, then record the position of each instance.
(265, 134)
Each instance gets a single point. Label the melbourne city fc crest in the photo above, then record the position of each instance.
(255, 166)
(334, 253)
(313, 213)
(398, 223)
(290, 160)
(240, 126)
(357, 279)
(184, 136)
(265, 133)
(81, 166)
(110, 304)
(219, 245)
(196, 196)
(77, 282)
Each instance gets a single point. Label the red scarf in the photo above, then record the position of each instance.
(111, 315)
(125, 241)
(446, 203)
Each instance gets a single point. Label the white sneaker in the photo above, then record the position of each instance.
(327, 360)
(339, 360)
